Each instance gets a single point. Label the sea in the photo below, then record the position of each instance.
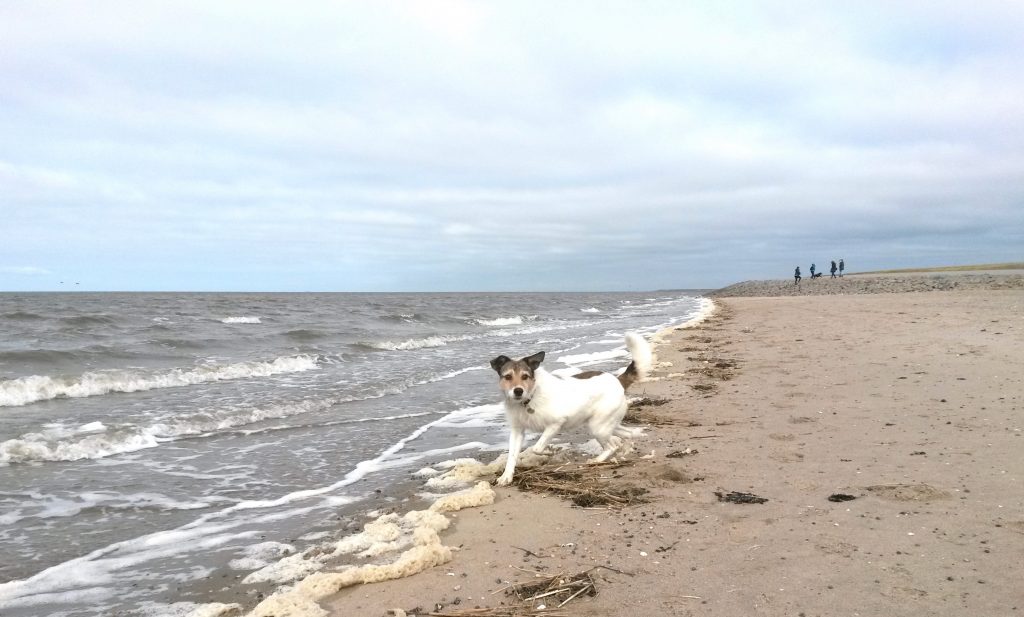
(156, 449)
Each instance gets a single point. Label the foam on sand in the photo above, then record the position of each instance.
(414, 533)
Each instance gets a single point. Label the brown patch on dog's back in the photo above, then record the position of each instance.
(587, 374)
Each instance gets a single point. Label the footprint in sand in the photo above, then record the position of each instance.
(802, 420)
(1017, 526)
(907, 492)
(836, 547)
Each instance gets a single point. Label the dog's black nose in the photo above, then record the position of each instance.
(517, 391)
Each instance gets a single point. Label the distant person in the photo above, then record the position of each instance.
(841, 266)
(812, 270)
(834, 268)
(796, 276)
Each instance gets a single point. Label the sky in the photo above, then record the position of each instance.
(503, 146)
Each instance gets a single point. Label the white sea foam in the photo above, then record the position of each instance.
(261, 555)
(590, 310)
(25, 390)
(241, 320)
(586, 359)
(705, 308)
(188, 609)
(414, 533)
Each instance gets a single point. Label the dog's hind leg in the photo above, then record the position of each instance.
(542, 442)
(515, 444)
(611, 445)
(628, 433)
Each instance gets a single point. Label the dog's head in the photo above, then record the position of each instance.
(516, 377)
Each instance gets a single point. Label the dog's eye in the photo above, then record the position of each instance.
(527, 377)
(508, 377)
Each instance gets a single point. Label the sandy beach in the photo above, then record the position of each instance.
(911, 403)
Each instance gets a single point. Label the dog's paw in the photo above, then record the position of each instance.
(548, 451)
(504, 480)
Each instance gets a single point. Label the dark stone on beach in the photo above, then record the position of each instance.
(736, 497)
(840, 497)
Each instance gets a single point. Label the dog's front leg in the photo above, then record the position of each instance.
(545, 437)
(515, 444)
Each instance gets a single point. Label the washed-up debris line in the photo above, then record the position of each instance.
(837, 497)
(499, 611)
(585, 485)
(639, 412)
(556, 591)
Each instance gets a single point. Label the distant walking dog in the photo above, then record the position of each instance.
(537, 400)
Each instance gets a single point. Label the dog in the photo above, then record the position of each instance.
(817, 275)
(537, 400)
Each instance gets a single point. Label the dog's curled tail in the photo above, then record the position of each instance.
(643, 360)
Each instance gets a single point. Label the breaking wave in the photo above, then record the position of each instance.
(241, 320)
(415, 343)
(516, 320)
(25, 390)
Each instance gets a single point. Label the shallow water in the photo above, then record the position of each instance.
(150, 443)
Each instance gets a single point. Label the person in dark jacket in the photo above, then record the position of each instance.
(834, 268)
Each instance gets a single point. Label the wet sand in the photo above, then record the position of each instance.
(913, 403)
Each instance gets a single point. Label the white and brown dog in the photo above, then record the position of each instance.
(537, 400)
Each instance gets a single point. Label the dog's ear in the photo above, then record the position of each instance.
(499, 362)
(534, 361)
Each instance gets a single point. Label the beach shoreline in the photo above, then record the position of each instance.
(909, 402)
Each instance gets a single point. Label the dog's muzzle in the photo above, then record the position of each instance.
(522, 399)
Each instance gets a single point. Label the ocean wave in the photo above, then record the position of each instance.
(25, 390)
(53, 356)
(42, 506)
(304, 334)
(403, 317)
(590, 309)
(88, 320)
(516, 320)
(415, 343)
(36, 447)
(22, 315)
(37, 355)
(180, 343)
(57, 443)
(241, 320)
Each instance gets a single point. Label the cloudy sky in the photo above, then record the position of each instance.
(417, 146)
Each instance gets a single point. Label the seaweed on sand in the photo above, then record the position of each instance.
(585, 485)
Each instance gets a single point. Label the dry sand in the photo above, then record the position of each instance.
(911, 402)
